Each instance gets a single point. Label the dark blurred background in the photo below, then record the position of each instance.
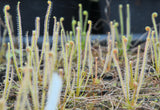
(101, 12)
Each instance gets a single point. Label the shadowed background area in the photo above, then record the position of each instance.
(101, 13)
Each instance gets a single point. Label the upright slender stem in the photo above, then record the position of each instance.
(121, 19)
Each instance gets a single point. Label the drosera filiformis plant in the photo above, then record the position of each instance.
(20, 37)
(29, 70)
(130, 83)
(121, 24)
(84, 85)
(155, 46)
(82, 24)
(6, 8)
(114, 34)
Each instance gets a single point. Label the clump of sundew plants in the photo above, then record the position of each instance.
(79, 76)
